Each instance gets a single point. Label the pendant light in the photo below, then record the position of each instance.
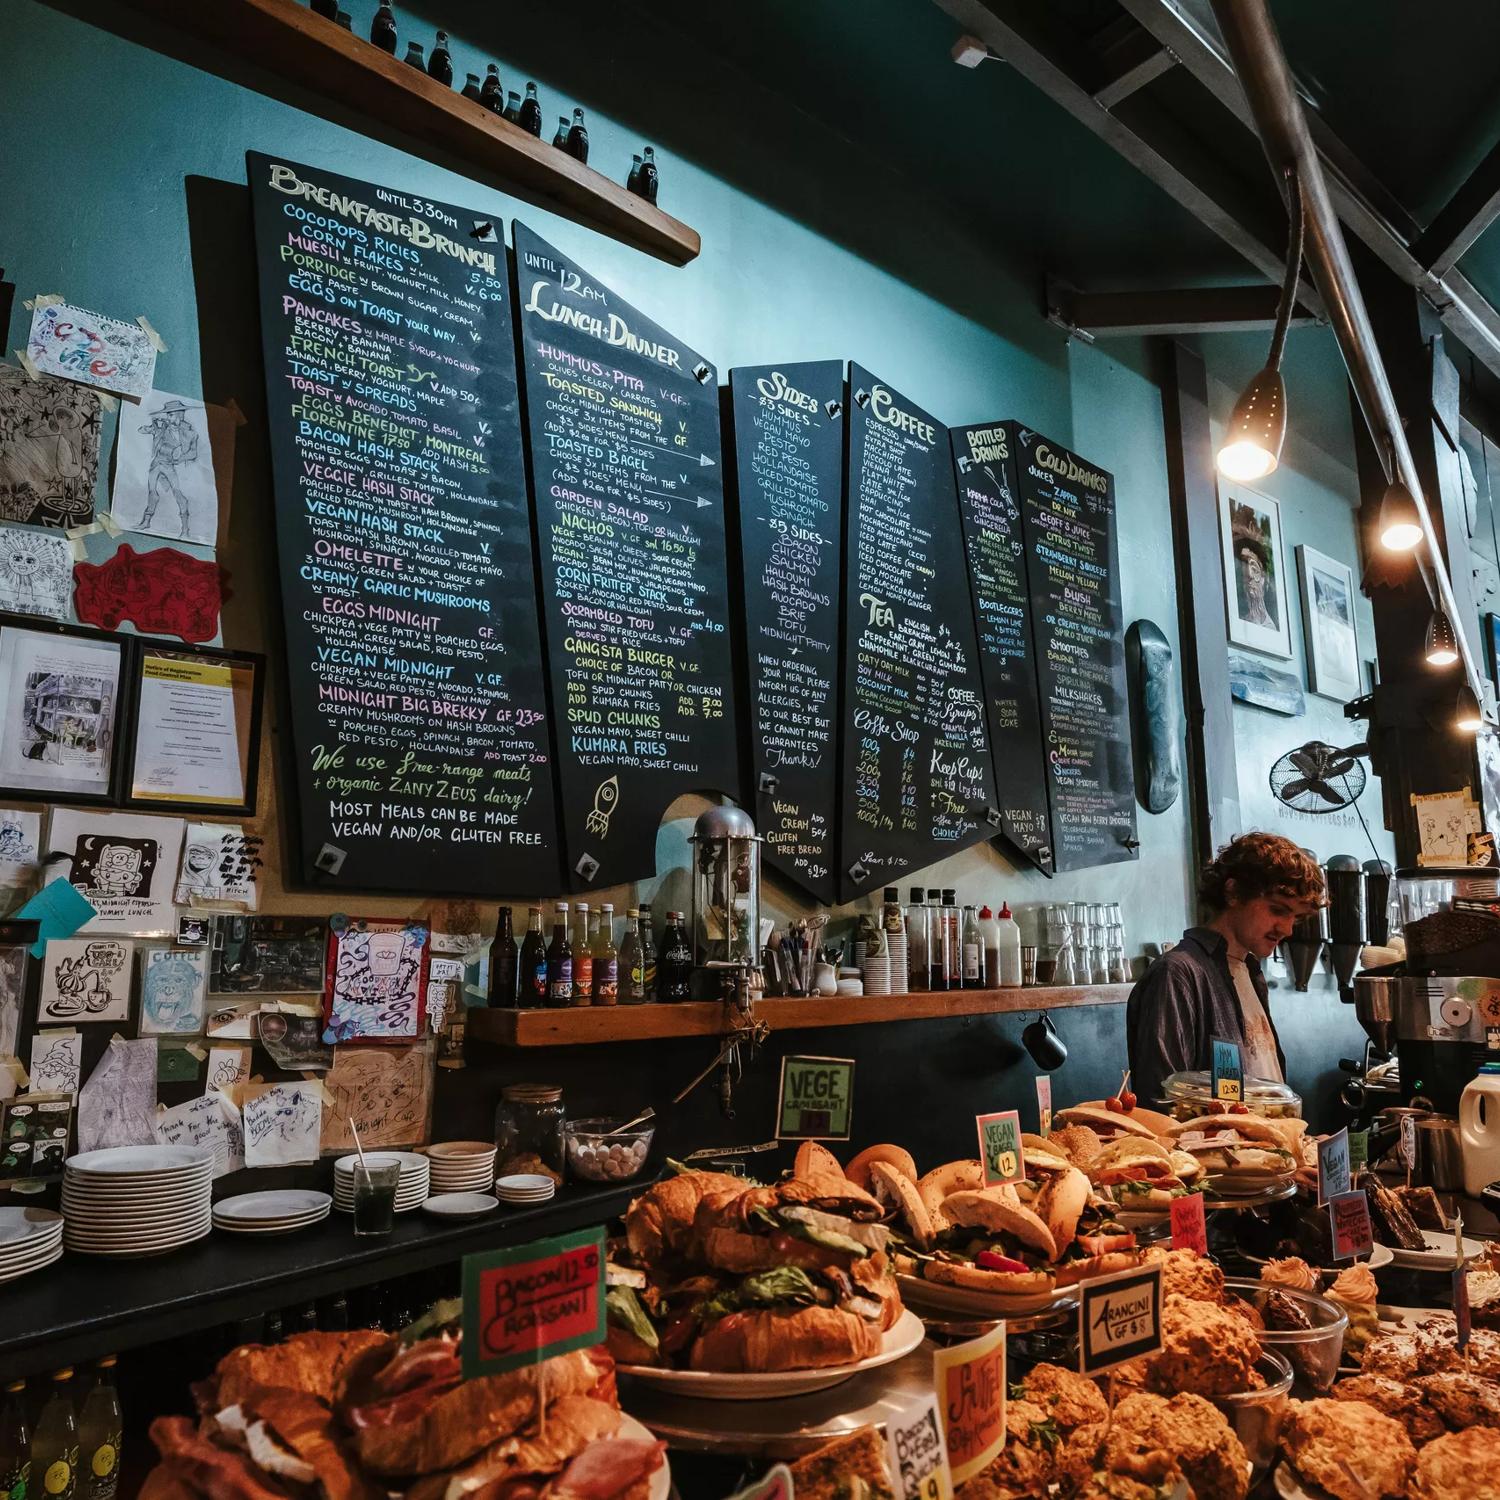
(1468, 718)
(1442, 643)
(1400, 521)
(1257, 426)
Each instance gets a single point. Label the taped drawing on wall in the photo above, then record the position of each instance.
(56, 1062)
(125, 866)
(377, 973)
(85, 979)
(92, 349)
(388, 1092)
(164, 468)
(36, 572)
(117, 1105)
(282, 1121)
(174, 991)
(49, 450)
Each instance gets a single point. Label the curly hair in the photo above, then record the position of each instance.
(1260, 864)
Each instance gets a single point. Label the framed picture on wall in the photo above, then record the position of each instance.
(1328, 625)
(1255, 581)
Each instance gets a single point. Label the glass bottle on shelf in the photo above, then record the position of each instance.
(1099, 921)
(99, 1431)
(15, 1444)
(953, 939)
(583, 957)
(578, 137)
(532, 985)
(560, 135)
(530, 117)
(674, 964)
(560, 960)
(633, 181)
(632, 961)
(329, 9)
(937, 942)
(513, 107)
(648, 953)
(440, 61)
(650, 179)
(490, 93)
(606, 959)
(414, 57)
(916, 939)
(973, 951)
(383, 28)
(54, 1443)
(471, 87)
(505, 961)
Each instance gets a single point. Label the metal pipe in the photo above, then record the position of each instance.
(1261, 67)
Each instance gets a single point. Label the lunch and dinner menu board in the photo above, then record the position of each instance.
(918, 781)
(418, 705)
(789, 468)
(623, 421)
(1072, 565)
(996, 549)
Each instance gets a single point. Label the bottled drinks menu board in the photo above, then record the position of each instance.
(418, 706)
(996, 550)
(918, 782)
(1072, 565)
(789, 464)
(623, 420)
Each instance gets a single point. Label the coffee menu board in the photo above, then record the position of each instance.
(996, 551)
(418, 706)
(918, 782)
(789, 464)
(623, 422)
(1072, 565)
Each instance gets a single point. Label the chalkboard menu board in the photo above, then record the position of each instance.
(789, 464)
(918, 782)
(984, 460)
(623, 421)
(418, 706)
(1072, 564)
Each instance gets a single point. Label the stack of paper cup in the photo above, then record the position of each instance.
(900, 974)
(877, 974)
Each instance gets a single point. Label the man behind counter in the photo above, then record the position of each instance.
(1210, 985)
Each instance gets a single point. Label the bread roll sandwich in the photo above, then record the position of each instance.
(993, 1243)
(1108, 1123)
(951, 1177)
(1143, 1176)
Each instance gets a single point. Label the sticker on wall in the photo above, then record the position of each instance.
(49, 450)
(212, 1121)
(124, 867)
(117, 1103)
(164, 468)
(389, 1094)
(218, 866)
(91, 348)
(85, 979)
(161, 592)
(377, 974)
(20, 845)
(36, 572)
(282, 1122)
(56, 1062)
(174, 990)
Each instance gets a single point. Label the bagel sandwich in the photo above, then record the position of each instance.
(1078, 1143)
(951, 1177)
(898, 1194)
(859, 1171)
(993, 1243)
(1143, 1176)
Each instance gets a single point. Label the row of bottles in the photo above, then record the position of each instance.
(571, 136)
(582, 964)
(951, 947)
(73, 1453)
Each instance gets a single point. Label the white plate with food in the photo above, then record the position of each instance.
(1379, 1256)
(715, 1385)
(959, 1299)
(661, 1479)
(1439, 1254)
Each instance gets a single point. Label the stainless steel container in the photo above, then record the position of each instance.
(1440, 1156)
(1375, 1005)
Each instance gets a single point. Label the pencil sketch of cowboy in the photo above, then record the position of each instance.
(174, 445)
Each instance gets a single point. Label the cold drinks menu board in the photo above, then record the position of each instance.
(789, 466)
(996, 551)
(418, 706)
(1072, 565)
(918, 782)
(623, 420)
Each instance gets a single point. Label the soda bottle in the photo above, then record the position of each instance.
(650, 180)
(15, 1444)
(583, 957)
(383, 28)
(606, 959)
(633, 181)
(490, 94)
(504, 962)
(345, 20)
(530, 119)
(471, 87)
(674, 965)
(632, 961)
(533, 978)
(578, 137)
(953, 952)
(560, 960)
(440, 61)
(560, 135)
(513, 107)
(414, 58)
(99, 1428)
(648, 953)
(54, 1444)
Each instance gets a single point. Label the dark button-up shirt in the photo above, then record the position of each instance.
(1180, 1004)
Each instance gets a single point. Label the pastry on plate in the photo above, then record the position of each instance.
(1460, 1466)
(1396, 1398)
(1348, 1449)
(1198, 1437)
(1205, 1348)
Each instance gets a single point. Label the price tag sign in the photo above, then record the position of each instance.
(1189, 1226)
(817, 1099)
(774, 1484)
(527, 1303)
(918, 1455)
(1359, 1151)
(970, 1383)
(1349, 1220)
(1228, 1080)
(1333, 1166)
(1461, 1307)
(1409, 1142)
(1000, 1147)
(1044, 1104)
(1119, 1319)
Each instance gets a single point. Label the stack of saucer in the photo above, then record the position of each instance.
(462, 1166)
(900, 973)
(30, 1238)
(137, 1200)
(877, 974)
(410, 1190)
(524, 1187)
(273, 1212)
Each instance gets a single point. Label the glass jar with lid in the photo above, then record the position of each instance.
(1190, 1094)
(529, 1130)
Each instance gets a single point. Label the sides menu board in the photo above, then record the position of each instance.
(1072, 562)
(624, 447)
(918, 782)
(789, 462)
(993, 542)
(418, 706)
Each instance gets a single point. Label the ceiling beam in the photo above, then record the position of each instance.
(1184, 310)
(1465, 216)
(1130, 59)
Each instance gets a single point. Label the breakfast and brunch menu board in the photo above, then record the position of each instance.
(789, 467)
(918, 782)
(996, 551)
(418, 705)
(623, 421)
(1072, 565)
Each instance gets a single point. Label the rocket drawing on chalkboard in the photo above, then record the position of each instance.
(606, 795)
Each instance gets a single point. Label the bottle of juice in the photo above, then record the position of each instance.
(99, 1429)
(560, 960)
(606, 959)
(15, 1445)
(54, 1444)
(583, 957)
(632, 961)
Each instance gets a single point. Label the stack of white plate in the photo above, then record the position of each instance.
(272, 1212)
(30, 1238)
(462, 1166)
(900, 974)
(137, 1200)
(410, 1190)
(524, 1187)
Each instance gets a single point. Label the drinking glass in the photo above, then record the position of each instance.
(375, 1181)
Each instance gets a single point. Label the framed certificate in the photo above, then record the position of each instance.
(194, 740)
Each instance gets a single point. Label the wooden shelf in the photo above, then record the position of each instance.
(287, 39)
(633, 1023)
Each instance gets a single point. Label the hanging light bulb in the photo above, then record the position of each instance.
(1468, 718)
(1442, 643)
(1400, 521)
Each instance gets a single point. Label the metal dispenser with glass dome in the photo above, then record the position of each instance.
(726, 896)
